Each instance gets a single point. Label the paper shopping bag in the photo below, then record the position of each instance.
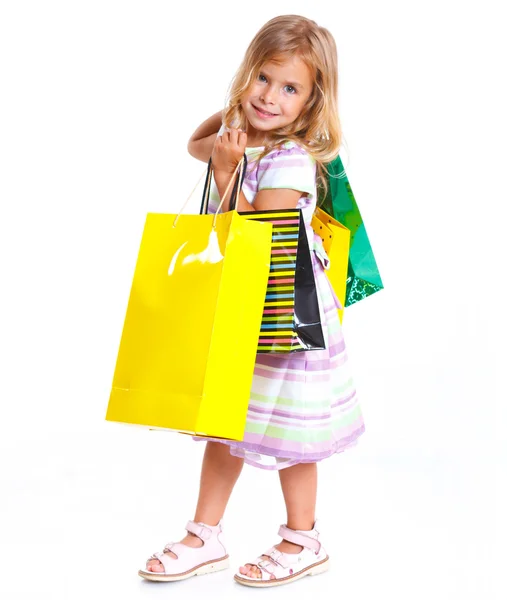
(189, 341)
(336, 240)
(363, 277)
(291, 318)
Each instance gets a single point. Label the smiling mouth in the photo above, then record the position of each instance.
(264, 111)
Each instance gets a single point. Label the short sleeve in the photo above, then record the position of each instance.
(288, 167)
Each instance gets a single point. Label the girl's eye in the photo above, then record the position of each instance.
(261, 77)
(291, 88)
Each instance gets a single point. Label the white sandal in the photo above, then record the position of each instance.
(278, 568)
(209, 558)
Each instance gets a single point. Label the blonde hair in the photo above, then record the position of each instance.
(317, 129)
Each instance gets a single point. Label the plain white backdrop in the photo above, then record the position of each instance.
(97, 103)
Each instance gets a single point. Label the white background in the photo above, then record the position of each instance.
(97, 103)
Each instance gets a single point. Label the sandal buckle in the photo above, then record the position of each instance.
(204, 533)
(199, 530)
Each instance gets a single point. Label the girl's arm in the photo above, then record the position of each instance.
(201, 143)
(264, 200)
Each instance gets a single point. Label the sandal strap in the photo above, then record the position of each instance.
(267, 568)
(199, 530)
(299, 538)
(278, 557)
(164, 557)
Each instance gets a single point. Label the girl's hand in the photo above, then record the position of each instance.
(228, 150)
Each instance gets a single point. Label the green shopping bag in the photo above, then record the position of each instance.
(363, 277)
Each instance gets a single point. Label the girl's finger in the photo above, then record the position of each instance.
(235, 133)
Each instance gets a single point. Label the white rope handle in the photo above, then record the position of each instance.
(187, 200)
(238, 166)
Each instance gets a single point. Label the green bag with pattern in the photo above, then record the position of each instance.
(363, 277)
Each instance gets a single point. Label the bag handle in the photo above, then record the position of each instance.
(236, 191)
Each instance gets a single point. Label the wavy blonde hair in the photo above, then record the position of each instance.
(317, 129)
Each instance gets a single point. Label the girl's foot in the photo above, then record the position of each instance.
(201, 551)
(190, 540)
(298, 555)
(284, 546)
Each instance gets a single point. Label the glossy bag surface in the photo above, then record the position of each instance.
(291, 319)
(363, 277)
(198, 281)
(336, 241)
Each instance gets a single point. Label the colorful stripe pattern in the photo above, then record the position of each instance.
(303, 406)
(278, 327)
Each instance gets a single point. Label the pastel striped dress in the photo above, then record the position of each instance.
(303, 406)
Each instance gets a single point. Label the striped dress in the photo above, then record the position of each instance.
(303, 406)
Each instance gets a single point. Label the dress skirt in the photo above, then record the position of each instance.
(303, 405)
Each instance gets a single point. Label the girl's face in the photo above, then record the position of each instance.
(277, 97)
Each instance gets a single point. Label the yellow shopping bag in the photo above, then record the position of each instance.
(336, 241)
(189, 341)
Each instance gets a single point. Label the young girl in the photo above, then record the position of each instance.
(282, 112)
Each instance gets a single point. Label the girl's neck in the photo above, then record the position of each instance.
(256, 138)
(256, 141)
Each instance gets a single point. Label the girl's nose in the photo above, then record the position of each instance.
(268, 96)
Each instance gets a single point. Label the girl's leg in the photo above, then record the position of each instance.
(299, 486)
(220, 471)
